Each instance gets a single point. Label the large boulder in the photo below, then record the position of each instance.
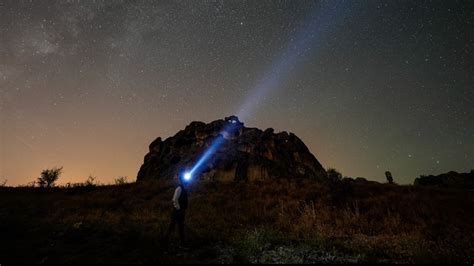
(242, 154)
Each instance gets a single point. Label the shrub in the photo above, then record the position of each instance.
(49, 177)
(121, 180)
(334, 175)
(90, 182)
(340, 189)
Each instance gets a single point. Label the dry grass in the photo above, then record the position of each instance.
(372, 222)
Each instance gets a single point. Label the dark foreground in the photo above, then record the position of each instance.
(276, 221)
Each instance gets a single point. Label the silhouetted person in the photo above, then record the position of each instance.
(180, 204)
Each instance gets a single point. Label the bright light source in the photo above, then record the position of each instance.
(187, 176)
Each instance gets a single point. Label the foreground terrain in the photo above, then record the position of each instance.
(278, 221)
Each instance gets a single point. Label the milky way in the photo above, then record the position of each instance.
(89, 84)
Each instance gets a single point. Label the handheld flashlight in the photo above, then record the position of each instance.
(187, 176)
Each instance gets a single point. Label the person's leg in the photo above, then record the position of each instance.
(181, 227)
(171, 227)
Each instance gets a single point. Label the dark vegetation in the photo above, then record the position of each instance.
(448, 180)
(49, 177)
(279, 220)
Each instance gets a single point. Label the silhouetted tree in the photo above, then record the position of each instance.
(4, 183)
(49, 177)
(389, 177)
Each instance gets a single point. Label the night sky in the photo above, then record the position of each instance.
(369, 86)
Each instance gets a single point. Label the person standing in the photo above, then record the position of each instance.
(180, 204)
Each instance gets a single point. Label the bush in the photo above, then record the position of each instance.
(334, 176)
(90, 182)
(340, 190)
(49, 177)
(121, 180)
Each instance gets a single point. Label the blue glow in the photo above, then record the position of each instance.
(308, 39)
(209, 151)
(187, 176)
(216, 143)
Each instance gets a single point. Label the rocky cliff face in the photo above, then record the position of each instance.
(243, 154)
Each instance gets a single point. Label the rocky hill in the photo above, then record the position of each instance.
(449, 180)
(243, 154)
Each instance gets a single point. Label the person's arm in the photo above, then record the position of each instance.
(176, 195)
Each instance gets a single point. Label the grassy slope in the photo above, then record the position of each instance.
(271, 221)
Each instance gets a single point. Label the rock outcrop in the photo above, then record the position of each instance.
(448, 180)
(242, 154)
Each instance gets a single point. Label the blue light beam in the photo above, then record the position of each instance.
(321, 21)
(215, 144)
(309, 38)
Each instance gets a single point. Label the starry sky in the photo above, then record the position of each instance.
(369, 86)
